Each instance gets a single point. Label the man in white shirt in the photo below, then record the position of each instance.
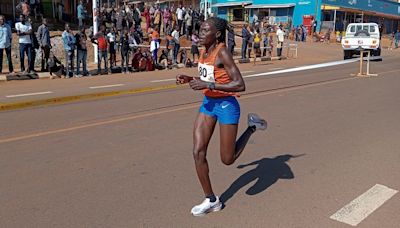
(179, 15)
(280, 34)
(175, 36)
(24, 31)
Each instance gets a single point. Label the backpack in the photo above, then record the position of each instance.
(102, 41)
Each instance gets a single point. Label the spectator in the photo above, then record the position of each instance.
(163, 60)
(43, 37)
(24, 31)
(155, 44)
(231, 40)
(69, 48)
(55, 66)
(303, 33)
(166, 20)
(35, 47)
(81, 13)
(396, 39)
(149, 61)
(111, 36)
(265, 43)
(183, 56)
(124, 43)
(32, 5)
(257, 45)
(146, 15)
(136, 57)
(195, 46)
(5, 44)
(245, 40)
(179, 15)
(26, 10)
(81, 48)
(189, 24)
(280, 35)
(271, 45)
(157, 19)
(136, 14)
(250, 40)
(170, 46)
(175, 35)
(102, 43)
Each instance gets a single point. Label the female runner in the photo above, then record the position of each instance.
(220, 80)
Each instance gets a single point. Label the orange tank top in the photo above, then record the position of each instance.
(210, 72)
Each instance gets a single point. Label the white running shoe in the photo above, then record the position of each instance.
(206, 207)
(254, 120)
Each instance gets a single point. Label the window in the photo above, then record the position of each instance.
(353, 29)
(372, 28)
(238, 14)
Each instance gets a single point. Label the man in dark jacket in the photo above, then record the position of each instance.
(245, 40)
(43, 37)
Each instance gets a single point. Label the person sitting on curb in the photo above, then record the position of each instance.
(55, 66)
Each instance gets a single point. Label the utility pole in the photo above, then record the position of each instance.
(315, 16)
(95, 6)
(205, 9)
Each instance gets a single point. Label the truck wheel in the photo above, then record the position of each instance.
(378, 52)
(347, 55)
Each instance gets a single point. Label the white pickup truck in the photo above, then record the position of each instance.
(361, 36)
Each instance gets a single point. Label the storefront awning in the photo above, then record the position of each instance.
(358, 11)
(270, 6)
(227, 4)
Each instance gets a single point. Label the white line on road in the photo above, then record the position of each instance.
(248, 71)
(310, 67)
(280, 70)
(164, 80)
(358, 209)
(105, 86)
(277, 68)
(28, 94)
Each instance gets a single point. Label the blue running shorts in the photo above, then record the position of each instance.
(225, 109)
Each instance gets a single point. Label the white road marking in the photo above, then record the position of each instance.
(280, 70)
(164, 80)
(248, 71)
(277, 68)
(28, 94)
(361, 207)
(302, 68)
(105, 86)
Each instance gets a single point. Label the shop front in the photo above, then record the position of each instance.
(233, 11)
(337, 14)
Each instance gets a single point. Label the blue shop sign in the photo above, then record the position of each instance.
(381, 6)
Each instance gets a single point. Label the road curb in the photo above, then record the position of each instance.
(68, 99)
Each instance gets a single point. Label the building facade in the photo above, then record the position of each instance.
(328, 14)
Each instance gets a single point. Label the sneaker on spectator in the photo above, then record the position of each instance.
(206, 207)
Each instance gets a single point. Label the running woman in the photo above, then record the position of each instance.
(220, 80)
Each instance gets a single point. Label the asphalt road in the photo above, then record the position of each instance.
(126, 161)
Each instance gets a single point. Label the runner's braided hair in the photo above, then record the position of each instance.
(221, 25)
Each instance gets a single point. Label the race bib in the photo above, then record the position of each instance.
(206, 72)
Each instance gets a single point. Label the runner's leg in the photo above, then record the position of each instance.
(203, 130)
(230, 149)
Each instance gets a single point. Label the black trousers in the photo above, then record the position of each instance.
(9, 60)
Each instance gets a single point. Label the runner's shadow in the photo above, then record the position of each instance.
(267, 172)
